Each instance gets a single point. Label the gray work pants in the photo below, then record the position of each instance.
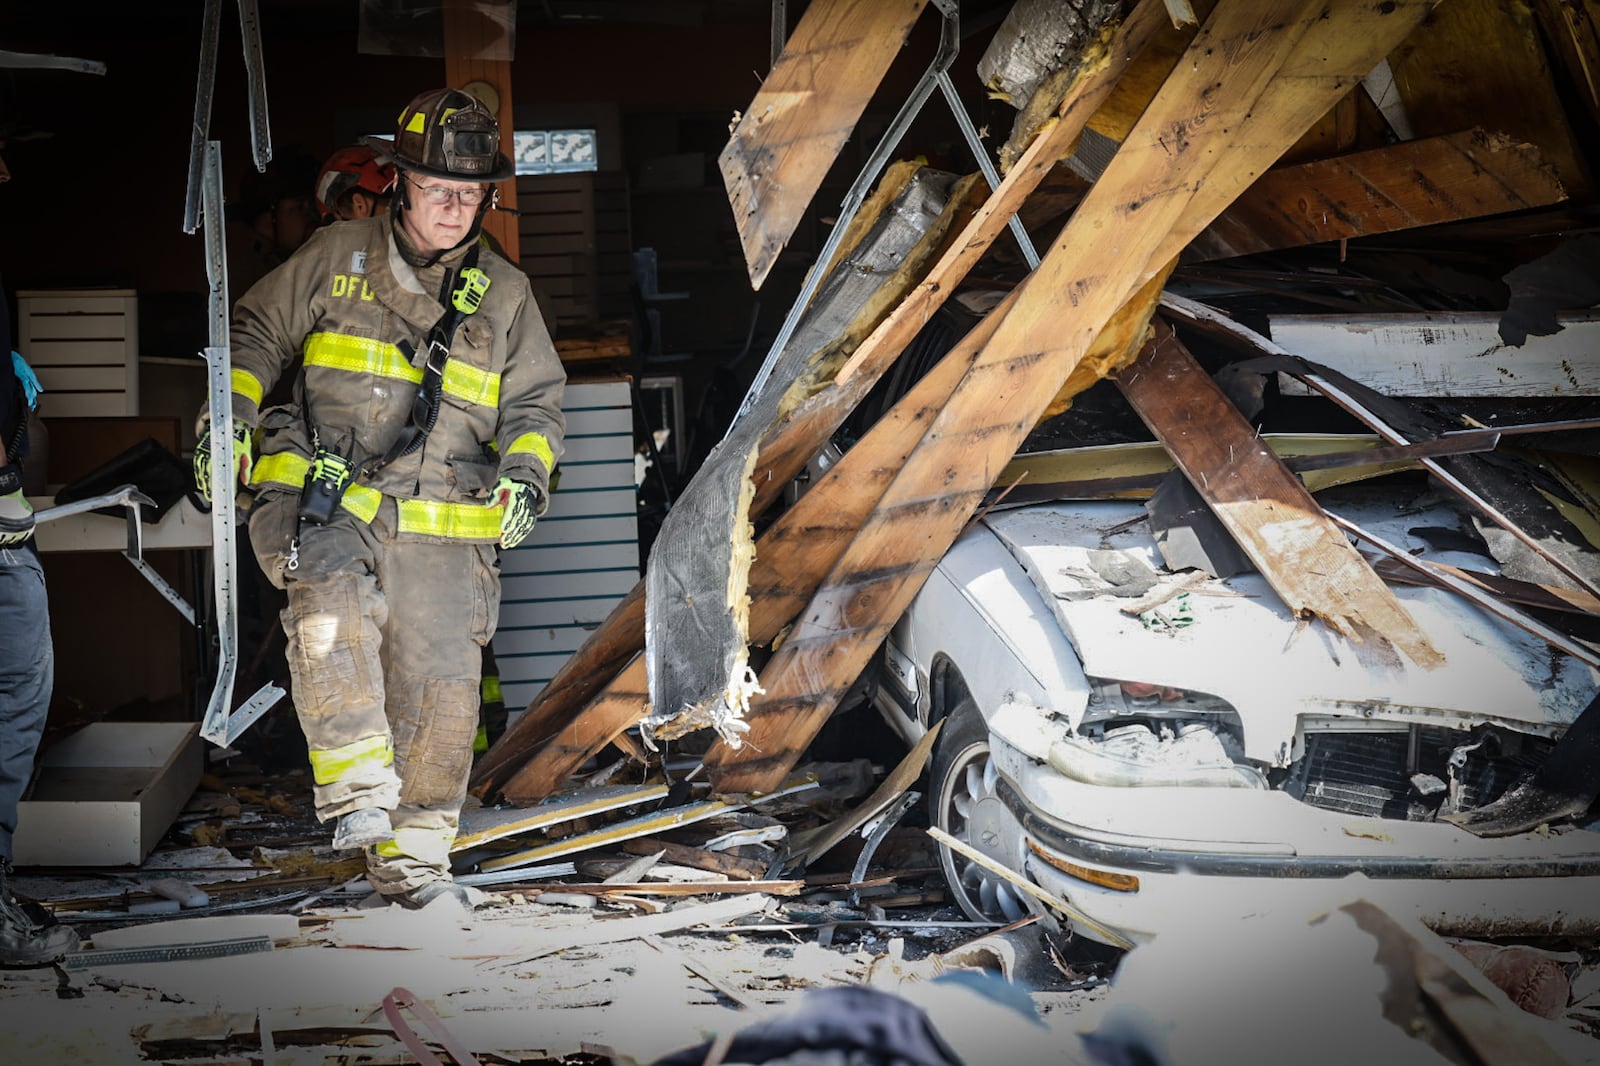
(385, 639)
(27, 674)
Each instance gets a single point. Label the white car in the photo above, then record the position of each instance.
(1215, 756)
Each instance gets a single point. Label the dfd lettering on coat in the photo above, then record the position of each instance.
(350, 285)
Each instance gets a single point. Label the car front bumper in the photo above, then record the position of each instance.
(1205, 854)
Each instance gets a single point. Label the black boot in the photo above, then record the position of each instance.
(29, 936)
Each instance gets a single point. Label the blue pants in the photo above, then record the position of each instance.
(27, 673)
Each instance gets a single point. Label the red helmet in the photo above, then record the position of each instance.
(356, 167)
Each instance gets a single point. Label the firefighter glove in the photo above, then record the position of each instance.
(16, 513)
(243, 457)
(521, 503)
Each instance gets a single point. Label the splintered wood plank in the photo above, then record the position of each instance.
(803, 544)
(785, 143)
(579, 680)
(1415, 183)
(791, 555)
(1302, 554)
(1573, 29)
(1256, 77)
(1447, 354)
(795, 439)
(481, 825)
(791, 443)
(1481, 63)
(730, 866)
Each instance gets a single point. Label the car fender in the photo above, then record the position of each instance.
(979, 613)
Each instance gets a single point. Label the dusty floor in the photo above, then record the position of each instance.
(517, 981)
(524, 979)
(286, 961)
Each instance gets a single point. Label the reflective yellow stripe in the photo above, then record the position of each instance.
(468, 521)
(480, 740)
(490, 689)
(358, 355)
(289, 470)
(471, 384)
(339, 351)
(429, 845)
(335, 764)
(247, 385)
(534, 444)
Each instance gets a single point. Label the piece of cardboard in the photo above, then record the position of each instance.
(106, 794)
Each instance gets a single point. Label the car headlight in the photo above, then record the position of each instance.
(1134, 734)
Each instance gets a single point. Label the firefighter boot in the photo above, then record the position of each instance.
(362, 828)
(28, 935)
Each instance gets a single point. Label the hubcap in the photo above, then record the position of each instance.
(972, 813)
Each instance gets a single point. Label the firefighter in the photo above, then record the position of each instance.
(353, 184)
(426, 422)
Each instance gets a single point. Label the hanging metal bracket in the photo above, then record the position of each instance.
(134, 502)
(222, 723)
(256, 75)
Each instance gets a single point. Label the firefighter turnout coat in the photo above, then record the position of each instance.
(391, 600)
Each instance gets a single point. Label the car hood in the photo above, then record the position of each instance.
(1236, 640)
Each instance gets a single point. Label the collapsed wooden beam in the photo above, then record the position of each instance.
(1270, 514)
(784, 144)
(804, 542)
(1506, 502)
(1447, 353)
(1257, 75)
(1402, 186)
(1440, 73)
(795, 438)
(807, 540)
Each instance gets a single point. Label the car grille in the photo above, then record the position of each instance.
(1367, 773)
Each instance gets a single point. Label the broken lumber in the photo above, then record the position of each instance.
(606, 651)
(729, 866)
(1447, 354)
(1477, 596)
(1401, 186)
(1272, 516)
(1573, 29)
(551, 722)
(481, 825)
(1133, 471)
(1491, 491)
(1527, 593)
(819, 842)
(1192, 152)
(805, 542)
(1439, 71)
(683, 888)
(785, 142)
(696, 608)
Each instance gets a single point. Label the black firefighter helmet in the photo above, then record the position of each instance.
(446, 133)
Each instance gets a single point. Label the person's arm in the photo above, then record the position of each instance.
(531, 423)
(270, 323)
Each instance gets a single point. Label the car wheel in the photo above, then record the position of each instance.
(966, 806)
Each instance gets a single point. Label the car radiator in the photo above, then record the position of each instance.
(1399, 774)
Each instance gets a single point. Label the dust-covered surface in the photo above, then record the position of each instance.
(558, 968)
(542, 971)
